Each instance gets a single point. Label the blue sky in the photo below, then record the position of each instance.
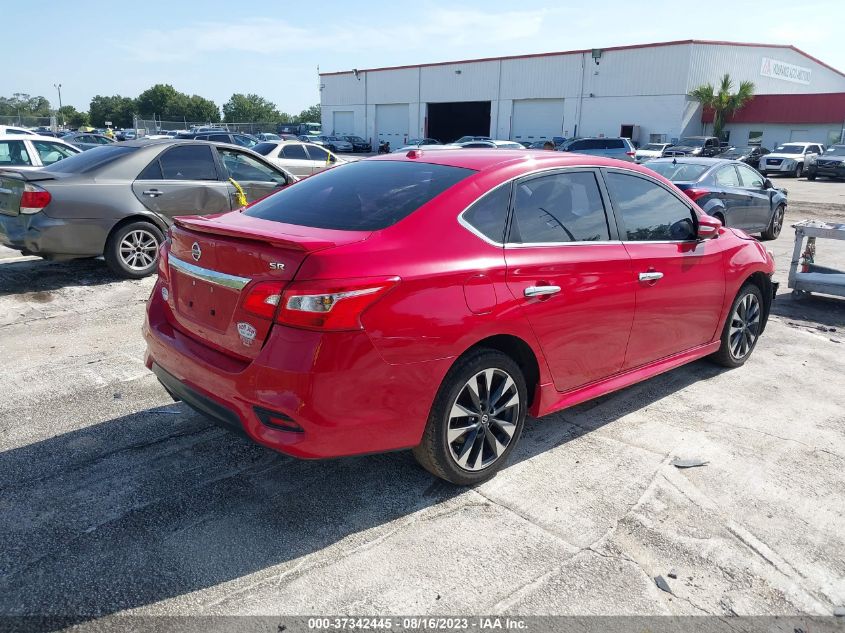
(215, 48)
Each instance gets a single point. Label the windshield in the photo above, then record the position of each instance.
(737, 151)
(691, 142)
(93, 158)
(790, 149)
(363, 196)
(271, 137)
(836, 150)
(679, 172)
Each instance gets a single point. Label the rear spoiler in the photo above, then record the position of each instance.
(33, 175)
(278, 237)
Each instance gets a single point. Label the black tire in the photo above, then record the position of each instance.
(721, 218)
(811, 175)
(775, 224)
(726, 356)
(439, 456)
(799, 169)
(119, 255)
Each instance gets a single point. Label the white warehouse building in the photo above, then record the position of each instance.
(639, 92)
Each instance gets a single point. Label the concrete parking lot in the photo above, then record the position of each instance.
(117, 501)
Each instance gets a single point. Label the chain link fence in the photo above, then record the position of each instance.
(151, 125)
(24, 120)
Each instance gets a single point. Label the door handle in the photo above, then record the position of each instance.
(540, 291)
(651, 276)
(153, 193)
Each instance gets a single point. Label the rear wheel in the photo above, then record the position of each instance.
(811, 175)
(132, 249)
(775, 225)
(742, 327)
(476, 419)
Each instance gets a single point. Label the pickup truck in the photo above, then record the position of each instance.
(695, 146)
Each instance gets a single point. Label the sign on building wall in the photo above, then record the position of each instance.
(777, 69)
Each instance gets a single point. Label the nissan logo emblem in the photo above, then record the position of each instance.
(196, 251)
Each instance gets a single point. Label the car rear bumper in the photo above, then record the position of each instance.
(333, 392)
(54, 238)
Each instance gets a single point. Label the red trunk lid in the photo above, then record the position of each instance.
(214, 262)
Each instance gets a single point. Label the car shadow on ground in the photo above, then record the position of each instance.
(39, 275)
(162, 503)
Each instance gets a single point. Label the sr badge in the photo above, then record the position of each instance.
(247, 333)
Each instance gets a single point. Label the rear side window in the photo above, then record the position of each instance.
(296, 152)
(559, 208)
(14, 153)
(188, 162)
(264, 148)
(489, 214)
(362, 196)
(615, 143)
(219, 138)
(90, 160)
(649, 212)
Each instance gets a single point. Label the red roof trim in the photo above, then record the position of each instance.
(816, 108)
(587, 50)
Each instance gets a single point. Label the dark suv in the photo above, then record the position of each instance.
(619, 148)
(222, 136)
(830, 164)
(695, 146)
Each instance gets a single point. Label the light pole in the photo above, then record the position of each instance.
(58, 88)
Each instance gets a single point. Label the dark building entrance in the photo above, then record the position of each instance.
(450, 121)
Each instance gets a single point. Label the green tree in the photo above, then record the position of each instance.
(202, 109)
(723, 102)
(309, 115)
(23, 104)
(117, 109)
(161, 100)
(70, 116)
(249, 108)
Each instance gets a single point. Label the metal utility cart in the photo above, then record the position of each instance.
(805, 276)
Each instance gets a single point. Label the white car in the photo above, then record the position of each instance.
(28, 151)
(652, 150)
(790, 158)
(11, 129)
(300, 159)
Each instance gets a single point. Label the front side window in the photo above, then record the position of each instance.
(727, 177)
(50, 153)
(318, 153)
(362, 196)
(188, 162)
(559, 208)
(648, 211)
(489, 214)
(13, 153)
(750, 178)
(243, 167)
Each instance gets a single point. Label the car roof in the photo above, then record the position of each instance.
(32, 137)
(484, 159)
(695, 160)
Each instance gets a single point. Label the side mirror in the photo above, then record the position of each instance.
(332, 158)
(767, 184)
(708, 227)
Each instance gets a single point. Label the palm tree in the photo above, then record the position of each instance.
(723, 103)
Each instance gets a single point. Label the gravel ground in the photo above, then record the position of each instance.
(117, 501)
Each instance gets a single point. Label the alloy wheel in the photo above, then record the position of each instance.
(777, 221)
(745, 326)
(483, 419)
(138, 249)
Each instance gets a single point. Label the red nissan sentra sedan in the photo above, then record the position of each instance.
(430, 300)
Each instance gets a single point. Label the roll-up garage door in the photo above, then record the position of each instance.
(392, 123)
(343, 123)
(536, 119)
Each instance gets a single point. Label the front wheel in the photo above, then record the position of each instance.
(742, 327)
(476, 419)
(799, 169)
(811, 175)
(132, 250)
(775, 225)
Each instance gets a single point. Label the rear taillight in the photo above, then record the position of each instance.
(331, 304)
(263, 298)
(694, 194)
(631, 153)
(34, 198)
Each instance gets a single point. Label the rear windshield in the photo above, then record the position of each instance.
(679, 172)
(690, 142)
(93, 158)
(264, 148)
(362, 196)
(655, 147)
